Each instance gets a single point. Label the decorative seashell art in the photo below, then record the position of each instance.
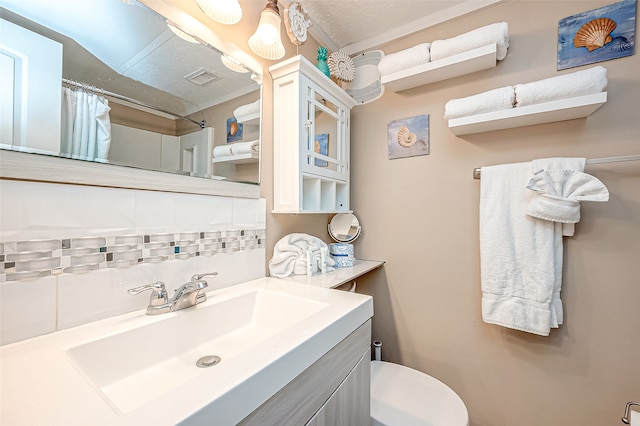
(296, 22)
(405, 137)
(595, 34)
(341, 66)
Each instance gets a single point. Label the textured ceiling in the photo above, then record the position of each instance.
(358, 25)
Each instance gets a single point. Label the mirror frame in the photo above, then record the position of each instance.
(43, 168)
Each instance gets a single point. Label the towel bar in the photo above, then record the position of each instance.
(627, 412)
(476, 171)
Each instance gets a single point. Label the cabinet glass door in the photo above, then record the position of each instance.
(326, 151)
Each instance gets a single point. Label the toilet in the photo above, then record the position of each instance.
(402, 396)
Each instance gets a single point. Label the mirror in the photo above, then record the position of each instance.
(158, 87)
(344, 228)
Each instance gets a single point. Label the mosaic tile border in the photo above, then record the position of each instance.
(21, 260)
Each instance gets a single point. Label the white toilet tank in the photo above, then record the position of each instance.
(402, 396)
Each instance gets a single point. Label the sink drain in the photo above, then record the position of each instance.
(208, 361)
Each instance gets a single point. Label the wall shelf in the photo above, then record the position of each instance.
(443, 69)
(251, 119)
(547, 112)
(238, 158)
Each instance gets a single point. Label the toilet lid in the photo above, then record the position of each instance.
(407, 397)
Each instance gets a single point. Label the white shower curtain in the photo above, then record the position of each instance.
(86, 127)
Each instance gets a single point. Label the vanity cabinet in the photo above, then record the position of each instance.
(335, 390)
(311, 140)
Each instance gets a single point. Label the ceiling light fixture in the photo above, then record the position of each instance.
(224, 11)
(266, 41)
(232, 64)
(183, 35)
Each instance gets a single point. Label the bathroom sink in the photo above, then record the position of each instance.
(136, 366)
(138, 369)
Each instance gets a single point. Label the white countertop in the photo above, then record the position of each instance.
(339, 276)
(41, 385)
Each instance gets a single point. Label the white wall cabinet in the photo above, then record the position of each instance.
(311, 140)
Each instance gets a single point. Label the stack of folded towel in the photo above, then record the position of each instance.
(423, 53)
(292, 253)
(579, 83)
(236, 148)
(247, 112)
(523, 210)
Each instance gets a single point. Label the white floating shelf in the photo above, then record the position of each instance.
(548, 112)
(463, 63)
(238, 158)
(251, 119)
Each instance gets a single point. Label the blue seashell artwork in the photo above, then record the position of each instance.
(597, 35)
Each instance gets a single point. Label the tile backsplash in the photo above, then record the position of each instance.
(68, 253)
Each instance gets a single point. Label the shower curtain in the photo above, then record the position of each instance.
(86, 127)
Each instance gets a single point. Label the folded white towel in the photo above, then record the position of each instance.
(290, 255)
(244, 112)
(579, 83)
(494, 33)
(245, 147)
(519, 254)
(408, 58)
(492, 100)
(559, 193)
(222, 151)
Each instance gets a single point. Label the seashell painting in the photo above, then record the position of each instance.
(405, 137)
(595, 34)
(408, 137)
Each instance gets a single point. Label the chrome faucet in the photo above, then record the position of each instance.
(187, 295)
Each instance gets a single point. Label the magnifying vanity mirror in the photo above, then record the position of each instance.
(344, 228)
(170, 101)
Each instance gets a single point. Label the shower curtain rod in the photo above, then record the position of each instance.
(202, 123)
(476, 171)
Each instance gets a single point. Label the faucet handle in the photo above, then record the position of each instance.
(199, 277)
(158, 293)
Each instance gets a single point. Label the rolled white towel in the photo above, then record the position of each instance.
(579, 83)
(408, 58)
(492, 100)
(222, 151)
(246, 110)
(245, 147)
(494, 33)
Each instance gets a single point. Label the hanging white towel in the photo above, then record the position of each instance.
(103, 131)
(559, 193)
(521, 256)
(68, 117)
(290, 255)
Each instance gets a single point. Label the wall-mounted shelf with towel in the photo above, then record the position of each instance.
(547, 112)
(252, 157)
(454, 66)
(251, 120)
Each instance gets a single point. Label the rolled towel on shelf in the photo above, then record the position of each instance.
(222, 151)
(494, 33)
(579, 83)
(244, 112)
(245, 147)
(290, 255)
(492, 100)
(408, 58)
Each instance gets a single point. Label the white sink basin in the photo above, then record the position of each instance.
(136, 366)
(138, 369)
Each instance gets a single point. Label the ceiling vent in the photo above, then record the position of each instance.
(201, 77)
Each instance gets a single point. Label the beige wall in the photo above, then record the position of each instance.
(420, 215)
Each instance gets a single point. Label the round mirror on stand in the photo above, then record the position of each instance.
(344, 228)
